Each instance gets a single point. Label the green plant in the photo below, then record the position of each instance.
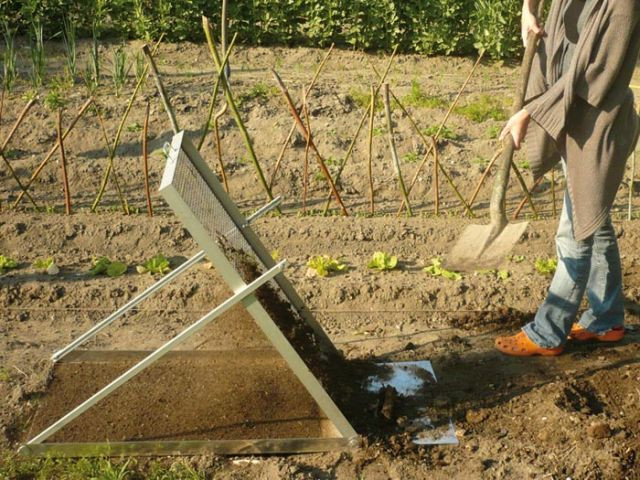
(156, 265)
(483, 108)
(493, 131)
(324, 265)
(259, 91)
(119, 69)
(411, 157)
(54, 99)
(382, 261)
(7, 263)
(494, 27)
(69, 38)
(9, 72)
(518, 258)
(500, 274)
(5, 376)
(46, 265)
(36, 50)
(437, 270)
(140, 65)
(446, 133)
(104, 266)
(134, 127)
(419, 99)
(546, 266)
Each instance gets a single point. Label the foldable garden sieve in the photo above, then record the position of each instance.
(196, 196)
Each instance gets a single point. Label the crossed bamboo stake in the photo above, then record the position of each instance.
(365, 115)
(306, 133)
(220, 66)
(307, 91)
(11, 133)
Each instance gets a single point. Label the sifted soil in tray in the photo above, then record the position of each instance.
(184, 396)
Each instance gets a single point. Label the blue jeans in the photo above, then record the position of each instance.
(591, 266)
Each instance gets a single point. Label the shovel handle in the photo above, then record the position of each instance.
(497, 208)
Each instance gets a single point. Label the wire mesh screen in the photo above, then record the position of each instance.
(204, 204)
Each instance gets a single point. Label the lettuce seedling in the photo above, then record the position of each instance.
(156, 265)
(500, 274)
(46, 265)
(382, 261)
(7, 263)
(546, 266)
(436, 270)
(324, 265)
(104, 266)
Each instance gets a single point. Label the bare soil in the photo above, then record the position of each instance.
(575, 416)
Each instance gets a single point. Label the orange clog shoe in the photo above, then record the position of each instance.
(521, 346)
(581, 334)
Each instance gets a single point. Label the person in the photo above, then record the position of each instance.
(579, 111)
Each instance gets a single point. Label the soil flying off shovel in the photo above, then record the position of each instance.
(486, 246)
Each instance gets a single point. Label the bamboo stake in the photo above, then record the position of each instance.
(216, 89)
(145, 159)
(392, 148)
(436, 164)
(216, 131)
(524, 200)
(10, 135)
(430, 143)
(63, 161)
(631, 182)
(372, 109)
(116, 140)
(483, 177)
(52, 151)
(160, 86)
(293, 124)
(554, 208)
(234, 109)
(305, 180)
(303, 130)
(1, 106)
(360, 125)
(443, 124)
(111, 156)
(525, 190)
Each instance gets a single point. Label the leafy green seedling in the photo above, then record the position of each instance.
(436, 269)
(104, 266)
(134, 127)
(5, 376)
(382, 261)
(500, 274)
(518, 258)
(275, 255)
(7, 263)
(156, 265)
(324, 265)
(46, 265)
(546, 266)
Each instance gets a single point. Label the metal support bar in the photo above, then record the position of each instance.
(164, 349)
(92, 332)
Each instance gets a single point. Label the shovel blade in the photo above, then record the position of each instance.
(476, 251)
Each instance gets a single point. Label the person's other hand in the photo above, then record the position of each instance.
(529, 25)
(517, 127)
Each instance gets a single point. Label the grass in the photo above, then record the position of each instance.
(483, 108)
(411, 157)
(445, 134)
(493, 132)
(13, 466)
(260, 92)
(417, 98)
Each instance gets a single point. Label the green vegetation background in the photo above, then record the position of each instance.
(422, 26)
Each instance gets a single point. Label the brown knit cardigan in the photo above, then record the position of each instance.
(586, 115)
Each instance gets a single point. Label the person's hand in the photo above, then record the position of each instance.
(517, 127)
(529, 25)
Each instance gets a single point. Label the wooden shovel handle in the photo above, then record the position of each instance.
(497, 208)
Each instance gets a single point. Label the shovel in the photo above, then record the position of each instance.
(486, 246)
